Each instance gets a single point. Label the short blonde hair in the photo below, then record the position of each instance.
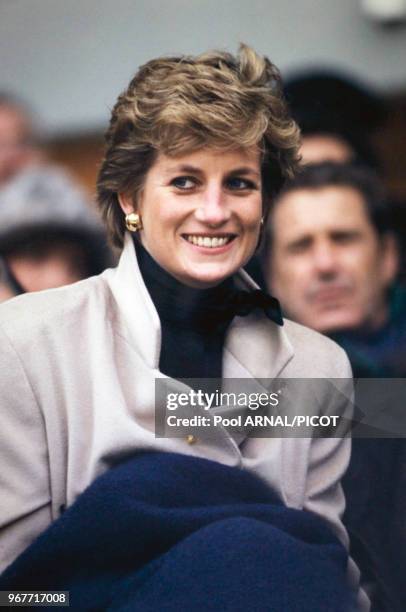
(177, 105)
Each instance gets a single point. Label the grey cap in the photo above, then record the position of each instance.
(43, 201)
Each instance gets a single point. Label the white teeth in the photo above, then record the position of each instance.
(207, 241)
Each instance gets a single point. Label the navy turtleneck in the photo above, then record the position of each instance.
(194, 321)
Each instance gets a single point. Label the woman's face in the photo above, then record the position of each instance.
(201, 213)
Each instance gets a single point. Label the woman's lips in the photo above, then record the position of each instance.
(210, 242)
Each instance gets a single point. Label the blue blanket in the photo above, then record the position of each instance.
(166, 532)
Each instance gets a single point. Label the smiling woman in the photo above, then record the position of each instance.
(182, 105)
(196, 149)
(201, 213)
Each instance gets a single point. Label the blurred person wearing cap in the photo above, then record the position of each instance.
(49, 236)
(19, 146)
(336, 114)
(331, 259)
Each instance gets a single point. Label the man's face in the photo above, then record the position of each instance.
(328, 267)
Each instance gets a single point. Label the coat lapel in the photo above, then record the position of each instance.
(255, 346)
(138, 318)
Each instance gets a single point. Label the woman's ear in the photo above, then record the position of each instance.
(126, 203)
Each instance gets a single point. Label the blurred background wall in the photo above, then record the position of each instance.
(70, 58)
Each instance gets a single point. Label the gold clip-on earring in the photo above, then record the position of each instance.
(133, 222)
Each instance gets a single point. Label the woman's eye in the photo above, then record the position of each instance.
(184, 182)
(240, 184)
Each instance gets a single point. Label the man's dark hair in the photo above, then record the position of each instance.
(361, 179)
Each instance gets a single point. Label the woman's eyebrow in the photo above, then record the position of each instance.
(188, 168)
(245, 170)
(183, 168)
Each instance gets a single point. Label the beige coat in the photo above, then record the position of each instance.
(77, 372)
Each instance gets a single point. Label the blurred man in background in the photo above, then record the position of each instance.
(49, 235)
(331, 259)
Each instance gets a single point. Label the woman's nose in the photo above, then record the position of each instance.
(212, 208)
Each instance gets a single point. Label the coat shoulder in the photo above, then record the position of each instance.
(315, 355)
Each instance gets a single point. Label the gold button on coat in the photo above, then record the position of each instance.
(191, 439)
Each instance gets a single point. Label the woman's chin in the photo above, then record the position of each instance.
(206, 276)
